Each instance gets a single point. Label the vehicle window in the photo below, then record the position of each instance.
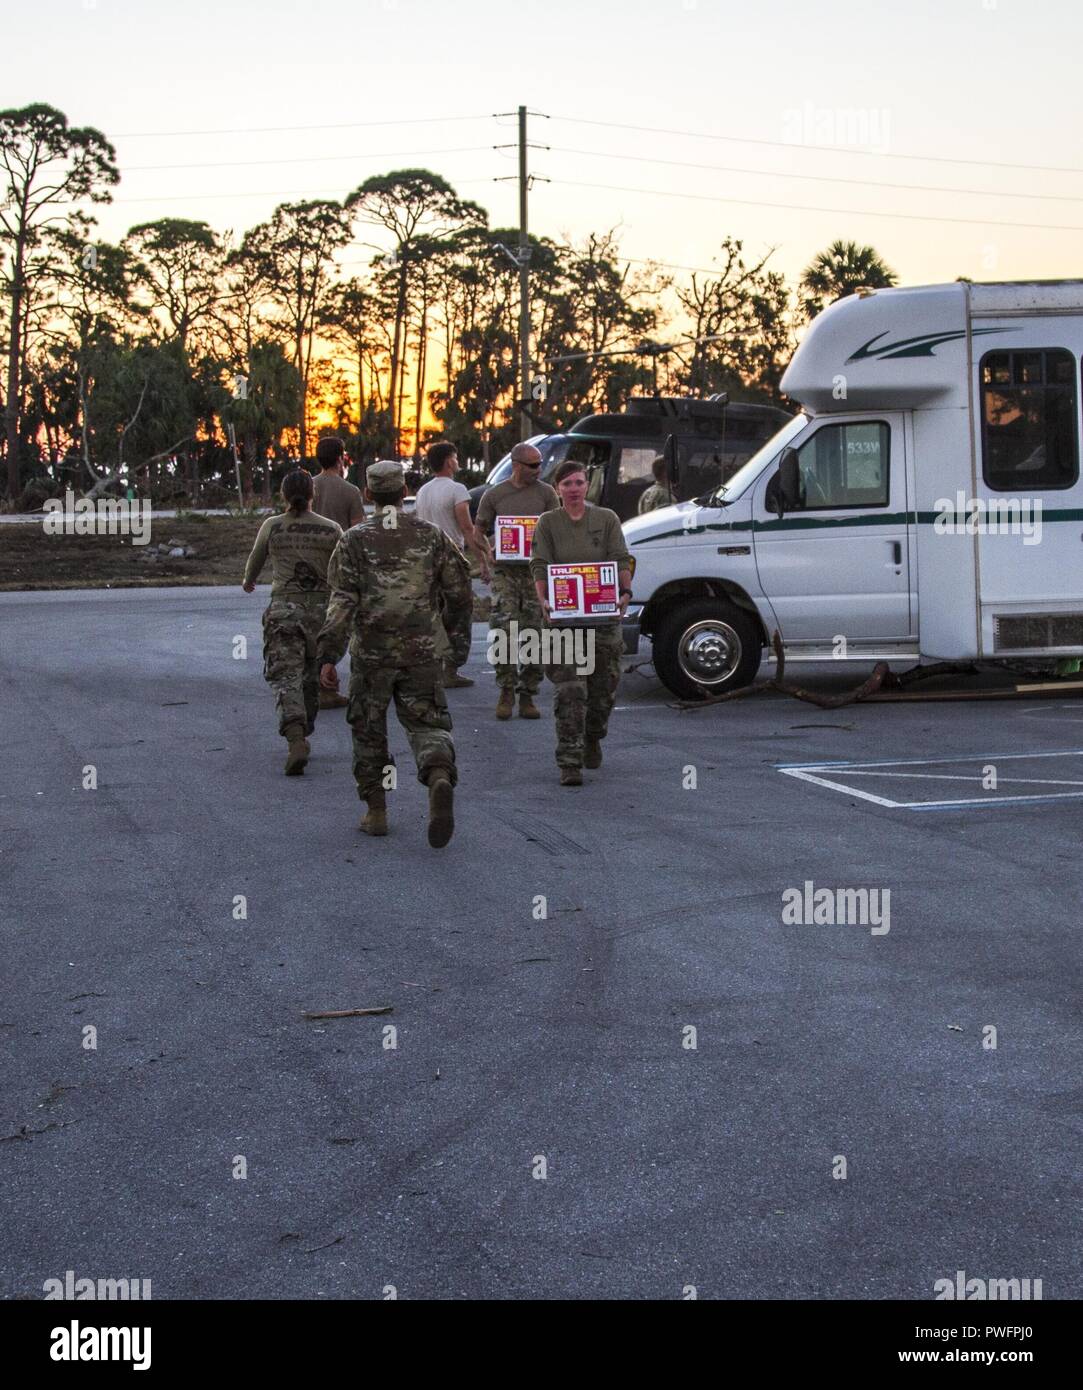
(635, 465)
(752, 468)
(500, 474)
(595, 454)
(846, 465)
(1028, 420)
(553, 456)
(702, 467)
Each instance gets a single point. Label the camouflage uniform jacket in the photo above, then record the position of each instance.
(386, 582)
(658, 495)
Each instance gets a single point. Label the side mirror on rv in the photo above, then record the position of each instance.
(787, 483)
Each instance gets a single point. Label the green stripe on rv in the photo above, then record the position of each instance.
(810, 523)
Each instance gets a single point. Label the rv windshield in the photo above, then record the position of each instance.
(750, 470)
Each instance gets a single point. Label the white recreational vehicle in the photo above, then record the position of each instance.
(926, 503)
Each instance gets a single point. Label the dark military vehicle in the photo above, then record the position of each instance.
(704, 442)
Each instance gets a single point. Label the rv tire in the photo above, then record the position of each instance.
(707, 647)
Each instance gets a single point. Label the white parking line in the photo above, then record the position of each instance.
(958, 777)
(813, 773)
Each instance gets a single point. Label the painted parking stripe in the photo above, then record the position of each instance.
(958, 777)
(807, 772)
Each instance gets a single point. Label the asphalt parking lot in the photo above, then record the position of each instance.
(641, 1085)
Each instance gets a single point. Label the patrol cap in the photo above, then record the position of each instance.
(386, 475)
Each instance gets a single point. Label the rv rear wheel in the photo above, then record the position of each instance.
(706, 647)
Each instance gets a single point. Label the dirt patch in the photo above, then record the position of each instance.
(29, 559)
(220, 546)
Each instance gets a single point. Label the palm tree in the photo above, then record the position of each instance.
(840, 270)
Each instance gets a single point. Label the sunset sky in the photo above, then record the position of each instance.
(746, 91)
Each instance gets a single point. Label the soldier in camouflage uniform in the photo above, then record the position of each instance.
(387, 576)
(578, 534)
(660, 494)
(300, 545)
(514, 598)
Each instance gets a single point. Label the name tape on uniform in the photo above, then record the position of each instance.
(583, 591)
(514, 535)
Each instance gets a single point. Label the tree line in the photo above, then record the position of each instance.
(143, 361)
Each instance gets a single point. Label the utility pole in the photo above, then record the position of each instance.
(524, 286)
(520, 258)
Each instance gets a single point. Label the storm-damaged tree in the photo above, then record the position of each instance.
(89, 304)
(292, 256)
(179, 284)
(721, 311)
(418, 209)
(840, 270)
(475, 299)
(600, 307)
(137, 410)
(353, 320)
(269, 405)
(48, 168)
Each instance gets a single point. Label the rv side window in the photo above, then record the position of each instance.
(846, 465)
(1028, 420)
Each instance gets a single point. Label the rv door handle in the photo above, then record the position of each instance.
(896, 547)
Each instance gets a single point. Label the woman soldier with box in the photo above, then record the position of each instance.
(300, 543)
(578, 534)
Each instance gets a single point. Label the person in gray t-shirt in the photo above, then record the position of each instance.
(445, 504)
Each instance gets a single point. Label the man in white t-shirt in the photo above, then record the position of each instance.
(444, 503)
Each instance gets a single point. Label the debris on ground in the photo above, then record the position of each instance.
(351, 1013)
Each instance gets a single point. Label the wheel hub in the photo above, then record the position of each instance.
(709, 652)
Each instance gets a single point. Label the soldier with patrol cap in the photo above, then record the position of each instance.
(387, 577)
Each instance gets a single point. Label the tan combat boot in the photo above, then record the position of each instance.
(331, 699)
(505, 706)
(571, 777)
(527, 708)
(453, 680)
(298, 749)
(592, 753)
(441, 807)
(374, 821)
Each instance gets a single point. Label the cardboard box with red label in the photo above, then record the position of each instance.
(513, 537)
(583, 593)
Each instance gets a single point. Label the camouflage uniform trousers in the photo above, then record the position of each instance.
(422, 711)
(583, 704)
(290, 629)
(516, 599)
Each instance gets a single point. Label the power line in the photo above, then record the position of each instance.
(306, 159)
(821, 178)
(606, 154)
(278, 129)
(799, 207)
(266, 193)
(829, 149)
